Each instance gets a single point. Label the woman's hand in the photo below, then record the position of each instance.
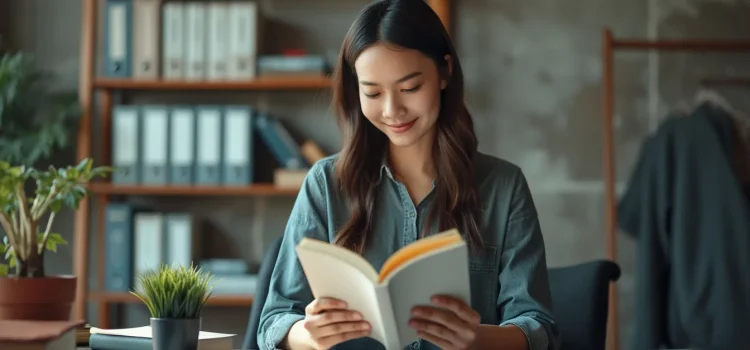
(449, 324)
(328, 322)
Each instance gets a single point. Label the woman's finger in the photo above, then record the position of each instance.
(443, 317)
(437, 332)
(465, 312)
(334, 316)
(322, 304)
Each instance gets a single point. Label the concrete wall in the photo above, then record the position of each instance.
(533, 73)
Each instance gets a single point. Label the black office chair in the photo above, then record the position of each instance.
(264, 279)
(580, 299)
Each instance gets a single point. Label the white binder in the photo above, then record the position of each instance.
(173, 41)
(148, 251)
(208, 160)
(154, 142)
(243, 40)
(218, 41)
(238, 145)
(196, 16)
(180, 240)
(182, 146)
(125, 145)
(146, 26)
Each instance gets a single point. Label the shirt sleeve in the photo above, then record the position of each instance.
(289, 292)
(525, 300)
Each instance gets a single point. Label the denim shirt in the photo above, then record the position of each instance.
(509, 284)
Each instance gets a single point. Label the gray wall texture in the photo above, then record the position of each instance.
(533, 75)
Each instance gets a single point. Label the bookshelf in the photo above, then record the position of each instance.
(260, 84)
(258, 189)
(103, 90)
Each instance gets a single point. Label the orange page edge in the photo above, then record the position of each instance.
(415, 250)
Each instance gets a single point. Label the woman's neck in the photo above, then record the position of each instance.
(414, 162)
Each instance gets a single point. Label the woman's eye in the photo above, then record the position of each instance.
(414, 89)
(372, 95)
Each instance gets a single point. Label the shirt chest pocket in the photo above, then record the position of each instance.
(483, 273)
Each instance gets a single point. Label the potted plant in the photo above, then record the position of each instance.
(34, 120)
(26, 220)
(175, 297)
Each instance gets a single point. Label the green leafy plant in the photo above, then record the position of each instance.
(174, 291)
(23, 216)
(34, 121)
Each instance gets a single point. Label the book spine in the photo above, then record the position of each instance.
(387, 323)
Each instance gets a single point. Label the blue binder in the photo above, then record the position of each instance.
(118, 237)
(118, 42)
(282, 145)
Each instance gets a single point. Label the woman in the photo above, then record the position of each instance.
(410, 167)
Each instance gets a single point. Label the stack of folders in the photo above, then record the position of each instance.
(199, 39)
(192, 41)
(138, 240)
(195, 145)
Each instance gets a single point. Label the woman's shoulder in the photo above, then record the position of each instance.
(503, 186)
(321, 174)
(495, 171)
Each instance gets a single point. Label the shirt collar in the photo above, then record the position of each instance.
(384, 168)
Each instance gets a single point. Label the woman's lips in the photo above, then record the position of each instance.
(403, 127)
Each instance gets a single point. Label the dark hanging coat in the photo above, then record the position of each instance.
(690, 216)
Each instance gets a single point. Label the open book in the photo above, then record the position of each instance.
(437, 264)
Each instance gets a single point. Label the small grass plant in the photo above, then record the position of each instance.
(174, 292)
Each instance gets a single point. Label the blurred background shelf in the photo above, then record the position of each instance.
(260, 189)
(262, 83)
(215, 300)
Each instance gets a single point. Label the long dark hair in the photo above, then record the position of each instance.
(411, 24)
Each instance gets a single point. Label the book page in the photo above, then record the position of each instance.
(331, 276)
(443, 271)
(145, 332)
(417, 249)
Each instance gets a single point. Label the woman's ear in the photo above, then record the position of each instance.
(447, 72)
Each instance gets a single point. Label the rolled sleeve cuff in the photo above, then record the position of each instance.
(279, 328)
(536, 334)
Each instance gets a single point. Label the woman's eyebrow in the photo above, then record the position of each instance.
(400, 80)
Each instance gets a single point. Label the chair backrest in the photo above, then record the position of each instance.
(264, 278)
(580, 300)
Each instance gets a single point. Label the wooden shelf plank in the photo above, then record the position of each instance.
(216, 300)
(263, 83)
(251, 190)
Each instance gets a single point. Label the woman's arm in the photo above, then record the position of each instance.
(511, 338)
(289, 292)
(524, 302)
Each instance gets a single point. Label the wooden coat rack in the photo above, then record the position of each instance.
(609, 45)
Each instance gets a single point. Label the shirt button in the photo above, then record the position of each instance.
(412, 214)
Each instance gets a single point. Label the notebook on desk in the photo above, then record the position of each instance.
(139, 338)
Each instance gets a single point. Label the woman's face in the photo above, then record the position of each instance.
(399, 90)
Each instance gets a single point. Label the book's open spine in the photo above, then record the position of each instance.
(387, 318)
